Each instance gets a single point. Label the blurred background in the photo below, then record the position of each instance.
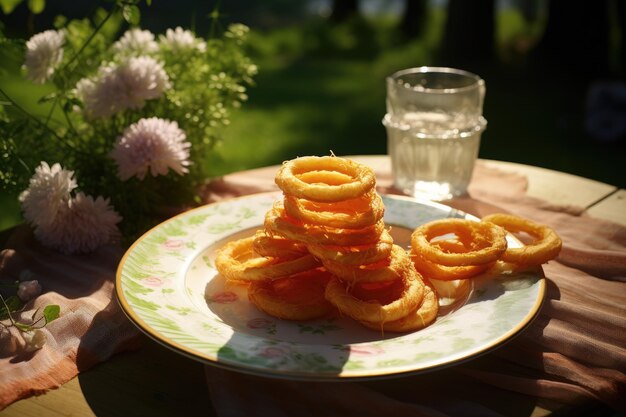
(554, 70)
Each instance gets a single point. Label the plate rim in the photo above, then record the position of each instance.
(368, 374)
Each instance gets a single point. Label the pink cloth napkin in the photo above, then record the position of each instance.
(573, 355)
(90, 329)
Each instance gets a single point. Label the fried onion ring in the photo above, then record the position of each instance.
(545, 246)
(276, 221)
(338, 293)
(277, 246)
(237, 260)
(394, 267)
(363, 178)
(354, 255)
(487, 245)
(297, 297)
(421, 317)
(436, 271)
(364, 212)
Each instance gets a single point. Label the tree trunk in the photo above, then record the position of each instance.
(469, 32)
(413, 18)
(342, 10)
(576, 38)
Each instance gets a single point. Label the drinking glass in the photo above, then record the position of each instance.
(434, 123)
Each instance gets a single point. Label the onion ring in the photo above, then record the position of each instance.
(436, 271)
(237, 261)
(365, 213)
(354, 255)
(545, 246)
(297, 297)
(277, 246)
(287, 180)
(419, 318)
(394, 267)
(277, 222)
(487, 245)
(339, 295)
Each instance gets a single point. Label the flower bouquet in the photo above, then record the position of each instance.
(127, 129)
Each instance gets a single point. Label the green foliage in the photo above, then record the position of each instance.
(206, 84)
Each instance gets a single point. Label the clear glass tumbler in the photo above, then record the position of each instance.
(434, 123)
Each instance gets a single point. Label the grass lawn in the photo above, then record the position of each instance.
(321, 89)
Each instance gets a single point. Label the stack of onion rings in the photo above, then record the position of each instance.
(331, 213)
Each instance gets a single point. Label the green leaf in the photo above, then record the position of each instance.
(13, 303)
(36, 6)
(131, 14)
(51, 312)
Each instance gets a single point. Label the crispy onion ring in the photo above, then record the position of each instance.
(363, 212)
(324, 177)
(355, 255)
(545, 246)
(394, 267)
(487, 245)
(277, 246)
(419, 318)
(436, 271)
(276, 221)
(237, 261)
(363, 178)
(338, 294)
(297, 297)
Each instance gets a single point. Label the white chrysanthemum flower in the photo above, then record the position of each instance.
(83, 226)
(154, 144)
(47, 193)
(44, 52)
(124, 86)
(136, 42)
(180, 40)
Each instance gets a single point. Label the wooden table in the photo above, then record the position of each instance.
(155, 381)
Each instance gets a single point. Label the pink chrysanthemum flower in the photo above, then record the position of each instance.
(179, 40)
(44, 52)
(84, 225)
(124, 86)
(136, 42)
(151, 144)
(47, 193)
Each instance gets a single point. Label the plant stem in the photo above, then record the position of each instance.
(90, 38)
(39, 122)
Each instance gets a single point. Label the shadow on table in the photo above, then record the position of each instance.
(152, 381)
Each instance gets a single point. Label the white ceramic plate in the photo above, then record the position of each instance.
(168, 286)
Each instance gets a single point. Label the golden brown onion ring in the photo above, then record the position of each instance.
(394, 267)
(287, 180)
(433, 270)
(237, 260)
(277, 222)
(338, 293)
(310, 212)
(488, 242)
(297, 297)
(355, 255)
(545, 246)
(277, 246)
(424, 315)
